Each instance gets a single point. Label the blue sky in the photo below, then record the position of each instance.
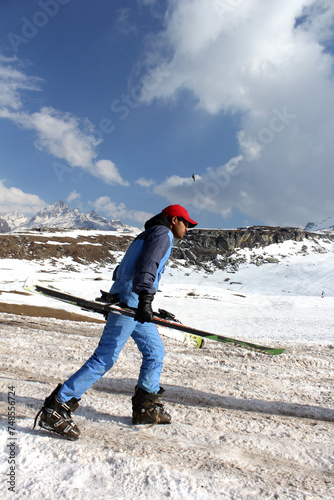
(113, 105)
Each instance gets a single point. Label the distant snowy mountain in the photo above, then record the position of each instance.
(325, 226)
(61, 216)
(14, 219)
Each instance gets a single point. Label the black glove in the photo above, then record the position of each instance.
(144, 311)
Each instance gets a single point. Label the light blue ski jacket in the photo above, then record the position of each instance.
(144, 262)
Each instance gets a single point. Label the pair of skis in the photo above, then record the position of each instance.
(189, 335)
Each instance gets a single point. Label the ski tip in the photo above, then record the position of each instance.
(275, 352)
(29, 284)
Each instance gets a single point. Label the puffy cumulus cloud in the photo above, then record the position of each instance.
(270, 62)
(146, 183)
(109, 209)
(221, 50)
(317, 19)
(73, 196)
(14, 199)
(176, 188)
(61, 134)
(108, 172)
(208, 189)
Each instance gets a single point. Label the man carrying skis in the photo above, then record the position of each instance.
(136, 281)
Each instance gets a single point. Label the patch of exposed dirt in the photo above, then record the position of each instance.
(45, 312)
(82, 249)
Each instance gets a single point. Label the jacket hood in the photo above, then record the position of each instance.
(157, 220)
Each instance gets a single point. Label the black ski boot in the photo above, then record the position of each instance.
(55, 416)
(147, 408)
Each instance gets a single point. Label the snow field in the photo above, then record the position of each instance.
(245, 425)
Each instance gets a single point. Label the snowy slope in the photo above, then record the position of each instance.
(302, 278)
(245, 425)
(14, 219)
(325, 226)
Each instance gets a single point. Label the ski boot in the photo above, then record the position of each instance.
(55, 416)
(147, 408)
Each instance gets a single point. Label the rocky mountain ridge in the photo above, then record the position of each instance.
(208, 249)
(220, 248)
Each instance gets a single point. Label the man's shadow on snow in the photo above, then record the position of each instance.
(183, 396)
(193, 397)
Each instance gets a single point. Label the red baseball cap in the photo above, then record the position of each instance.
(178, 211)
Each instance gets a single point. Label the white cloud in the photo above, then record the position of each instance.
(124, 23)
(207, 191)
(61, 134)
(13, 82)
(14, 199)
(146, 183)
(266, 61)
(108, 172)
(112, 211)
(73, 196)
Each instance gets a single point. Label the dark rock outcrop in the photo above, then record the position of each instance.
(202, 246)
(4, 228)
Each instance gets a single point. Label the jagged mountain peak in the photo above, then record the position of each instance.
(61, 216)
(14, 219)
(50, 214)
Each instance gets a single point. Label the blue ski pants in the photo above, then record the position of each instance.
(115, 334)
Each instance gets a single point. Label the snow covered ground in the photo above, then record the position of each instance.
(245, 425)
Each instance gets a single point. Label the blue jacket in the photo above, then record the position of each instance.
(144, 261)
